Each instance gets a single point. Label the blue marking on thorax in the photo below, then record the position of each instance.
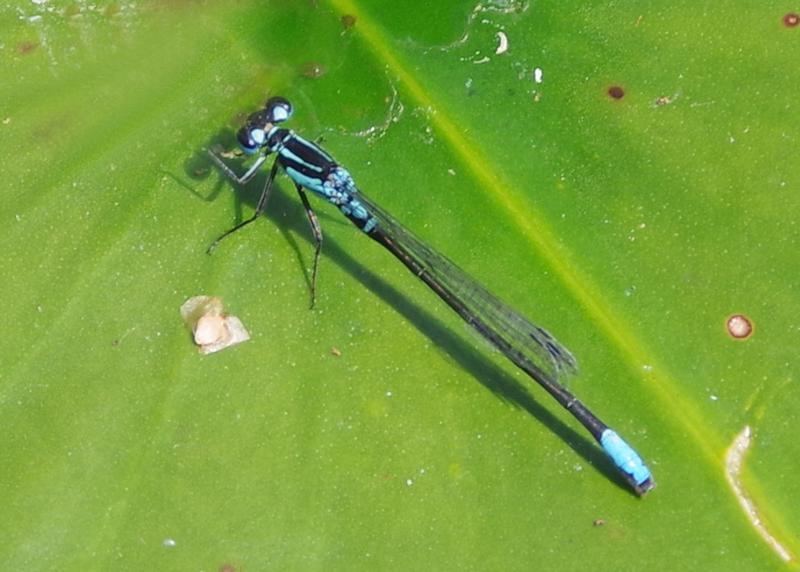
(314, 184)
(334, 183)
(276, 146)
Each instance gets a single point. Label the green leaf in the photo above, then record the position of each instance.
(377, 431)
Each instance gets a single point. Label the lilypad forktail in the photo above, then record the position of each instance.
(528, 346)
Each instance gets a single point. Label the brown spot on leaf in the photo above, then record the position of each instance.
(616, 92)
(313, 70)
(348, 21)
(26, 48)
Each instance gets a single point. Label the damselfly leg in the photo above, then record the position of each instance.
(316, 229)
(244, 179)
(262, 201)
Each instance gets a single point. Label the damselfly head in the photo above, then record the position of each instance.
(278, 109)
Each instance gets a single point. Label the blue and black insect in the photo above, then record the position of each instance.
(528, 346)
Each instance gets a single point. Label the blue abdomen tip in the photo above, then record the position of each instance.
(626, 459)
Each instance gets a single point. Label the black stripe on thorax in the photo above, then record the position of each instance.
(300, 154)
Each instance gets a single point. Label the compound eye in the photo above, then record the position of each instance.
(278, 109)
(250, 139)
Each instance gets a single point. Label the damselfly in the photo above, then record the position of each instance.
(530, 347)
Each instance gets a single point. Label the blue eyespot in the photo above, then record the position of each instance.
(246, 141)
(278, 109)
